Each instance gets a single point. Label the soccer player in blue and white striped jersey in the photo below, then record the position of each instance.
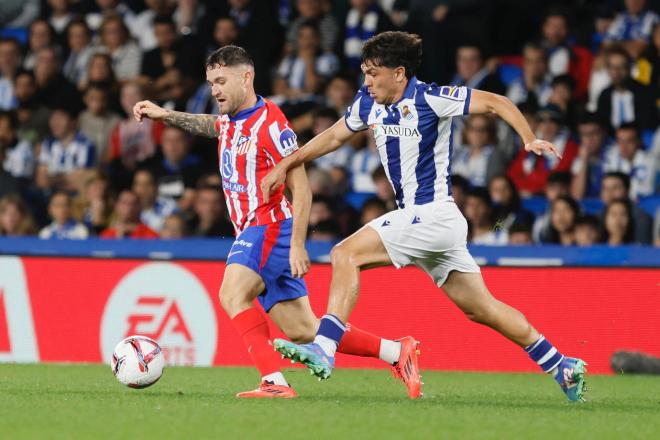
(412, 125)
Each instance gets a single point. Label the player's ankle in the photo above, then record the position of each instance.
(390, 351)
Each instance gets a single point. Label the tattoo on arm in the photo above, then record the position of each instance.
(199, 125)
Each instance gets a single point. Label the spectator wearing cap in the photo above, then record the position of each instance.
(529, 171)
(472, 72)
(616, 186)
(66, 152)
(633, 27)
(535, 83)
(629, 157)
(479, 214)
(625, 100)
(587, 168)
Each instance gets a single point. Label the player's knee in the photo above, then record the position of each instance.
(340, 255)
(232, 303)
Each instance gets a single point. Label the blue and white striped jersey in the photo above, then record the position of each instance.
(414, 137)
(62, 159)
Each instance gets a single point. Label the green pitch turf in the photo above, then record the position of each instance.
(86, 402)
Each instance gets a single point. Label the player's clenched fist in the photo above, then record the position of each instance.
(147, 109)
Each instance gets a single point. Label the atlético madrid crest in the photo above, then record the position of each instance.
(244, 145)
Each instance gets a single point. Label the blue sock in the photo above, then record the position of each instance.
(545, 354)
(329, 334)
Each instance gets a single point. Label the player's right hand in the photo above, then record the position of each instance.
(273, 180)
(147, 109)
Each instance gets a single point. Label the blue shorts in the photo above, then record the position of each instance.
(265, 250)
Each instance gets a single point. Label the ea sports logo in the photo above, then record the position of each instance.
(167, 303)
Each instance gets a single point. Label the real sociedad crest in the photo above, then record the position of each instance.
(406, 113)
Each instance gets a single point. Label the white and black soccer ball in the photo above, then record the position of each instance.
(138, 362)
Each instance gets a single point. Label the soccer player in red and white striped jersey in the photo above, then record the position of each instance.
(268, 258)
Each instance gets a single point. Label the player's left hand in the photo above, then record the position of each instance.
(299, 261)
(539, 146)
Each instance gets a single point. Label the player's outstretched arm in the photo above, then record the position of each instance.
(486, 102)
(199, 125)
(322, 144)
(296, 181)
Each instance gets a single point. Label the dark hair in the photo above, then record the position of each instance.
(11, 115)
(558, 11)
(624, 178)
(537, 47)
(590, 118)
(78, 22)
(394, 49)
(619, 50)
(553, 234)
(629, 126)
(11, 40)
(561, 177)
(629, 235)
(59, 192)
(310, 24)
(587, 220)
(164, 19)
(329, 226)
(566, 80)
(378, 173)
(327, 201)
(514, 204)
(480, 193)
(229, 56)
(520, 227)
(69, 108)
(459, 181)
(374, 202)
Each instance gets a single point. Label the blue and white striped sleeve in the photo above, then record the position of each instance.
(357, 113)
(447, 101)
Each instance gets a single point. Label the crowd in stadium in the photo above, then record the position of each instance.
(585, 74)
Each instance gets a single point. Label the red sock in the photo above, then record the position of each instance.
(359, 343)
(253, 328)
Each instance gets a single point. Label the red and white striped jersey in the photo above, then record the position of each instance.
(250, 143)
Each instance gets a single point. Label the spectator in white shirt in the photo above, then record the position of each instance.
(116, 41)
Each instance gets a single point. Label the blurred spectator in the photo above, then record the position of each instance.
(15, 219)
(313, 10)
(189, 17)
(478, 212)
(633, 27)
(18, 156)
(555, 31)
(320, 210)
(173, 67)
(472, 72)
(603, 18)
(564, 212)
(32, 115)
(563, 96)
(154, 209)
(616, 186)
(52, 87)
(618, 225)
(116, 42)
(97, 121)
(629, 157)
(363, 162)
(19, 13)
(79, 39)
(534, 85)
(325, 118)
(558, 185)
(326, 230)
(10, 62)
(93, 205)
(520, 234)
(126, 219)
(626, 100)
(60, 15)
(142, 25)
(372, 208)
(507, 208)
(459, 189)
(99, 72)
(8, 183)
(587, 230)
(209, 219)
(479, 159)
(174, 227)
(131, 142)
(384, 190)
(648, 65)
(64, 225)
(364, 20)
(529, 171)
(66, 154)
(40, 37)
(104, 8)
(306, 70)
(587, 168)
(320, 182)
(175, 168)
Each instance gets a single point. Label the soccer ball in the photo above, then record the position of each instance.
(138, 362)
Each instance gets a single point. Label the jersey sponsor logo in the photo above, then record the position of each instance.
(288, 142)
(18, 340)
(165, 302)
(243, 243)
(227, 167)
(451, 92)
(233, 186)
(396, 131)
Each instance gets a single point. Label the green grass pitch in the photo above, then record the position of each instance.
(86, 402)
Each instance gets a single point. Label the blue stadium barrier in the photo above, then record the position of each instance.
(217, 249)
(538, 205)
